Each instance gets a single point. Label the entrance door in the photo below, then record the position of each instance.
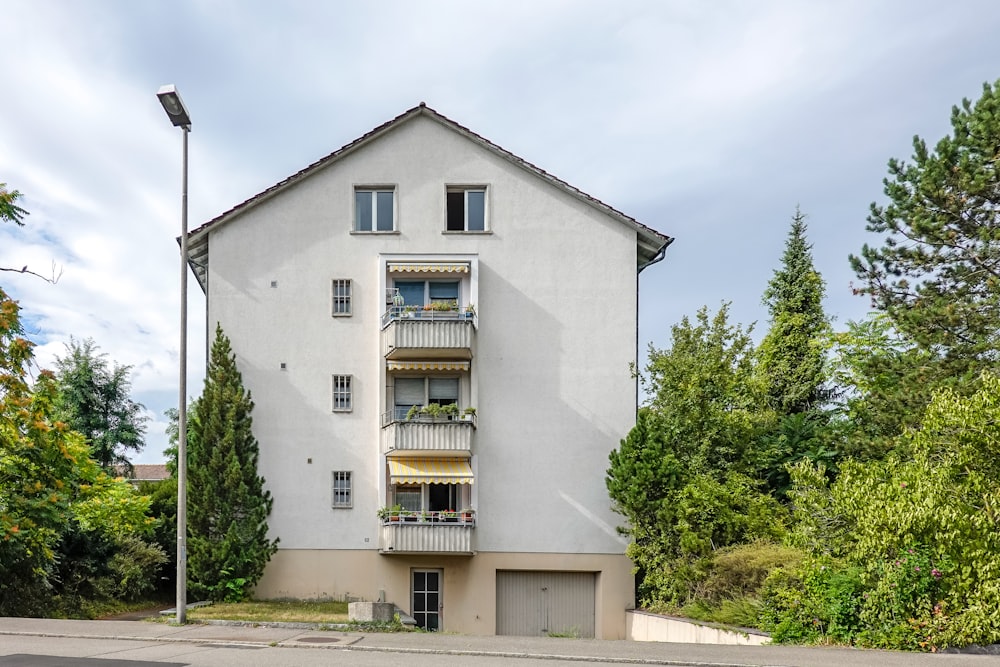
(427, 598)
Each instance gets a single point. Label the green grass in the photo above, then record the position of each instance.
(284, 611)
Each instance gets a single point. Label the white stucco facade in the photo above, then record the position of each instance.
(544, 360)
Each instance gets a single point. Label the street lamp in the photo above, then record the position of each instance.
(178, 115)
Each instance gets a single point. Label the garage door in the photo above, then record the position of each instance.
(545, 603)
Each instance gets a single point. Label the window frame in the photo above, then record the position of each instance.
(345, 477)
(343, 393)
(465, 190)
(397, 407)
(345, 299)
(374, 191)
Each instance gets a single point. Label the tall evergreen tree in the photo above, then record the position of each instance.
(791, 354)
(94, 399)
(937, 272)
(228, 506)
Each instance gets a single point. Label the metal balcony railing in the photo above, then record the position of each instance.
(429, 314)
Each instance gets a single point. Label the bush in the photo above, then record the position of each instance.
(136, 566)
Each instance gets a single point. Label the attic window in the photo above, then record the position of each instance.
(374, 209)
(466, 209)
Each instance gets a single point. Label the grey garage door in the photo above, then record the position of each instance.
(544, 603)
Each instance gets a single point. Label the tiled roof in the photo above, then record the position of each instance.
(144, 472)
(651, 242)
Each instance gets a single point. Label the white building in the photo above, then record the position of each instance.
(325, 284)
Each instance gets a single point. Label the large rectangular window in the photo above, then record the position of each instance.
(342, 492)
(374, 210)
(342, 393)
(408, 392)
(466, 209)
(423, 292)
(342, 297)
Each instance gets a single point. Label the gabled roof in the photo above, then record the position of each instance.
(651, 243)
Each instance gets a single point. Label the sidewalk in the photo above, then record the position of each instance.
(590, 650)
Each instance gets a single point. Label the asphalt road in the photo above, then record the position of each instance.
(67, 643)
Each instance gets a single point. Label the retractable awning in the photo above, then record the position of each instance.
(430, 471)
(428, 365)
(429, 267)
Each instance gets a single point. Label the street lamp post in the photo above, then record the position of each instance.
(178, 115)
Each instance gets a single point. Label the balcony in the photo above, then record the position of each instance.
(405, 532)
(409, 333)
(424, 433)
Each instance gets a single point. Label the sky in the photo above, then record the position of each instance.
(708, 120)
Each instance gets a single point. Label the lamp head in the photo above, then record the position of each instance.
(174, 106)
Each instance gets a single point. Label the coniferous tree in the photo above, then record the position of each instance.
(791, 354)
(937, 272)
(228, 506)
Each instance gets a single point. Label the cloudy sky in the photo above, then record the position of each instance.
(707, 120)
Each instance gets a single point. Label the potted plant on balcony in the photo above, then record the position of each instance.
(449, 516)
(389, 513)
(468, 515)
(468, 414)
(450, 411)
(414, 411)
(434, 411)
(470, 311)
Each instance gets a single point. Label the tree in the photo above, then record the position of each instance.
(228, 545)
(11, 212)
(706, 392)
(50, 489)
(792, 352)
(681, 477)
(94, 399)
(937, 273)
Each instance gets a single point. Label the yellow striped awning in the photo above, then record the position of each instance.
(429, 267)
(428, 365)
(430, 471)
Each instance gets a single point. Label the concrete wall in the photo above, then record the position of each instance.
(645, 627)
(469, 585)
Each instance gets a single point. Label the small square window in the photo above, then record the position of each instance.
(342, 297)
(466, 209)
(342, 393)
(374, 210)
(342, 492)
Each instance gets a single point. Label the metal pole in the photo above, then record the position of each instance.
(182, 408)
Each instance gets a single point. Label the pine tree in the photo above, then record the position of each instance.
(791, 354)
(228, 506)
(937, 273)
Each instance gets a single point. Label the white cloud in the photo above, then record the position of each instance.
(707, 120)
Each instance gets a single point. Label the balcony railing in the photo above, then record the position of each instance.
(428, 334)
(429, 314)
(427, 433)
(427, 533)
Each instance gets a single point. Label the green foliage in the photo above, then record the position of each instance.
(94, 399)
(228, 506)
(163, 509)
(134, 567)
(41, 465)
(937, 274)
(9, 210)
(887, 382)
(792, 353)
(707, 394)
(819, 598)
(62, 519)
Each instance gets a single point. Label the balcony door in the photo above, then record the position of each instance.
(427, 600)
